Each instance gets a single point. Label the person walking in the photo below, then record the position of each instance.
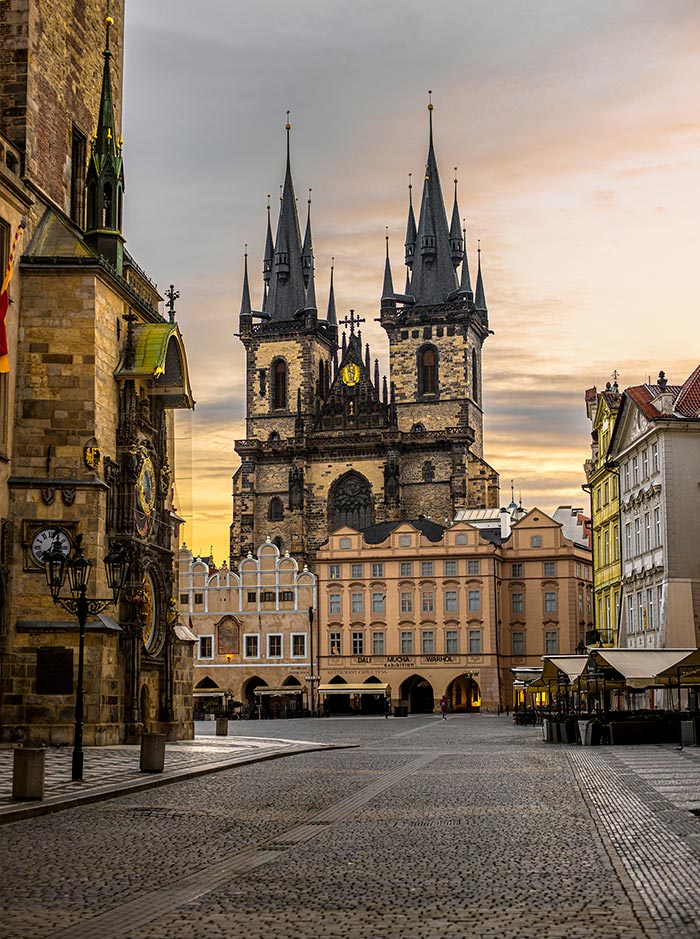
(443, 707)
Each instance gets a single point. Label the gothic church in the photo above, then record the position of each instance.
(329, 443)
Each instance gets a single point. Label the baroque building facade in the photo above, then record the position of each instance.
(95, 373)
(329, 442)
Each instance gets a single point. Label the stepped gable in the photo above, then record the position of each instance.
(352, 399)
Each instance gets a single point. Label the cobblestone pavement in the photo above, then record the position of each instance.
(468, 827)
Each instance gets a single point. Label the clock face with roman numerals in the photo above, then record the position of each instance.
(44, 540)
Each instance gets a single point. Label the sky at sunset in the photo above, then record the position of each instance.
(575, 127)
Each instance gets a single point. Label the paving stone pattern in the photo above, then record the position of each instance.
(462, 828)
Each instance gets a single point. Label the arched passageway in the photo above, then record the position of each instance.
(464, 695)
(419, 693)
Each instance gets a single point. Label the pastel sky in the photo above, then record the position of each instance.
(575, 128)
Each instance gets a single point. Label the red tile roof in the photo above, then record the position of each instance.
(688, 401)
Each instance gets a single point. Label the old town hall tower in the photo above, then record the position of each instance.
(330, 443)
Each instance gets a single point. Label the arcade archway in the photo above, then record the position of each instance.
(419, 693)
(464, 695)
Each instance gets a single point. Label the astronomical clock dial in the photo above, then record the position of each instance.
(44, 540)
(147, 611)
(145, 495)
(350, 374)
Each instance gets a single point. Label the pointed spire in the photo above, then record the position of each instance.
(376, 375)
(479, 296)
(410, 243)
(433, 276)
(456, 242)
(245, 298)
(311, 288)
(388, 288)
(465, 283)
(307, 258)
(287, 293)
(269, 247)
(330, 315)
(105, 141)
(367, 359)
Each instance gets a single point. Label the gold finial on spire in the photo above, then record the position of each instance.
(455, 175)
(108, 16)
(245, 249)
(410, 180)
(268, 202)
(464, 228)
(281, 196)
(308, 201)
(332, 262)
(430, 100)
(287, 126)
(387, 232)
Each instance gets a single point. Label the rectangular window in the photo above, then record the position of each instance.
(274, 646)
(635, 470)
(427, 601)
(536, 541)
(655, 457)
(630, 614)
(475, 642)
(606, 492)
(298, 645)
(614, 487)
(578, 569)
(580, 603)
(518, 642)
(404, 541)
(473, 567)
(287, 596)
(357, 602)
(474, 599)
(516, 570)
(406, 568)
(252, 596)
(406, 643)
(517, 602)
(647, 531)
(627, 475)
(451, 641)
(640, 610)
(358, 643)
(268, 596)
(345, 544)
(426, 568)
(650, 608)
(551, 642)
(199, 598)
(599, 550)
(378, 643)
(657, 527)
(356, 570)
(606, 546)
(378, 603)
(406, 601)
(628, 540)
(252, 647)
(378, 570)
(616, 543)
(598, 497)
(451, 601)
(184, 599)
(550, 568)
(428, 642)
(334, 571)
(461, 539)
(206, 647)
(607, 612)
(334, 643)
(659, 599)
(645, 463)
(450, 568)
(550, 603)
(637, 536)
(334, 606)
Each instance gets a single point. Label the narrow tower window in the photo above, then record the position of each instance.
(279, 379)
(427, 371)
(276, 510)
(475, 378)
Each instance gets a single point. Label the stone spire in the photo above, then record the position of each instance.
(479, 296)
(456, 242)
(105, 175)
(465, 283)
(287, 293)
(307, 257)
(245, 296)
(311, 287)
(433, 276)
(331, 318)
(388, 288)
(410, 244)
(269, 247)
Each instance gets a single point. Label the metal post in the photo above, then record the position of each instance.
(311, 658)
(77, 759)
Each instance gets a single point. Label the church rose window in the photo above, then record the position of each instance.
(351, 503)
(279, 380)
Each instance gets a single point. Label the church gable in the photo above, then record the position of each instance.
(352, 400)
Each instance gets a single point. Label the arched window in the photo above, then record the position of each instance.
(350, 502)
(427, 371)
(428, 472)
(276, 512)
(475, 378)
(279, 384)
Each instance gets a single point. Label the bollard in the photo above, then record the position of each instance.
(28, 773)
(152, 753)
(222, 727)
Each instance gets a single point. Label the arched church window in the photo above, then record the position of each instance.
(278, 542)
(418, 428)
(274, 436)
(475, 378)
(107, 214)
(276, 512)
(279, 383)
(350, 502)
(427, 371)
(428, 472)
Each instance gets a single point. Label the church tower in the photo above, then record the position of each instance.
(436, 331)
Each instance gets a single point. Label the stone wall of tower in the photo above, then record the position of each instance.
(453, 406)
(40, 106)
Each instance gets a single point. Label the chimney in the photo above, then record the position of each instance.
(505, 524)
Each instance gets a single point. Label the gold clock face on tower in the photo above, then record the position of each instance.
(146, 487)
(147, 611)
(350, 374)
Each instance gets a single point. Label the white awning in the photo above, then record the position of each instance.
(370, 688)
(283, 689)
(687, 671)
(571, 666)
(640, 666)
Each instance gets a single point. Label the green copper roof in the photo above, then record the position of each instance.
(55, 238)
(159, 355)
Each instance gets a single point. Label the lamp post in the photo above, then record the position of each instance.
(77, 568)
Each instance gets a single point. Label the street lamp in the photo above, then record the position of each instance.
(77, 568)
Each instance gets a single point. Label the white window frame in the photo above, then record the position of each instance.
(271, 636)
(205, 658)
(357, 603)
(451, 601)
(427, 641)
(333, 600)
(246, 637)
(475, 642)
(452, 641)
(293, 654)
(378, 642)
(406, 640)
